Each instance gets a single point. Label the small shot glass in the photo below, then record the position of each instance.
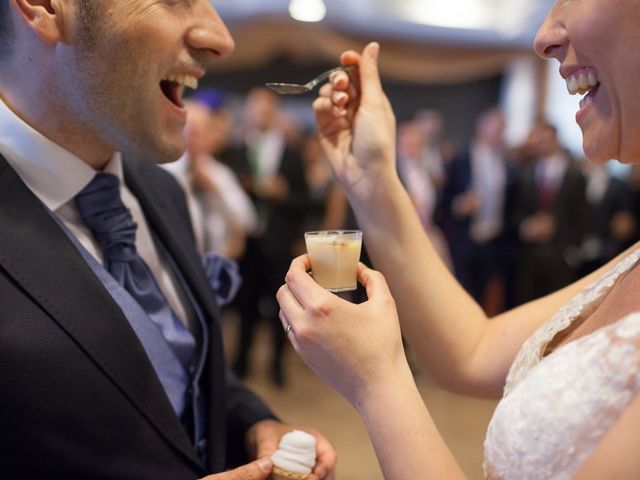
(334, 256)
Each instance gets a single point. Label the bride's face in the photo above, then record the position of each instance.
(596, 42)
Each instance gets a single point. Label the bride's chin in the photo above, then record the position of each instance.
(630, 154)
(594, 152)
(594, 158)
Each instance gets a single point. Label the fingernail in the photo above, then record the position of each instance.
(375, 50)
(339, 96)
(264, 464)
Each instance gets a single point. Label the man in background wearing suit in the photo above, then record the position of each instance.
(475, 205)
(111, 356)
(550, 215)
(271, 170)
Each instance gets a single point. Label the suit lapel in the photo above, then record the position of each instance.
(163, 217)
(40, 257)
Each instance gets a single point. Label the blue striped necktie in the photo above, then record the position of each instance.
(114, 230)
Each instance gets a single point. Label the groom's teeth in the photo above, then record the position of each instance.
(184, 80)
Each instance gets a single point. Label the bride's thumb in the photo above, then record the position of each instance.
(369, 72)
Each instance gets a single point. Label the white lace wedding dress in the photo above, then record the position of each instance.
(557, 408)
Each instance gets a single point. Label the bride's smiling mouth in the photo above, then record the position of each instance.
(585, 82)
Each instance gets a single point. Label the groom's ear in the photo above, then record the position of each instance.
(50, 20)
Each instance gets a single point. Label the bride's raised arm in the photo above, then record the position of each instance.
(445, 327)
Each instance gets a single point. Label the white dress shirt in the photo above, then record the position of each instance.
(489, 179)
(420, 186)
(211, 213)
(550, 171)
(268, 147)
(55, 176)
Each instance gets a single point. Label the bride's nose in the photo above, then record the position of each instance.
(551, 39)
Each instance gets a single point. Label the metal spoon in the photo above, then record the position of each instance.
(297, 89)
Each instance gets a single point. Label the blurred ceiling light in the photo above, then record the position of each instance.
(307, 10)
(465, 14)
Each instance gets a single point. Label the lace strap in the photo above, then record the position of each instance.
(532, 350)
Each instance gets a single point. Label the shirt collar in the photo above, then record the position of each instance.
(52, 173)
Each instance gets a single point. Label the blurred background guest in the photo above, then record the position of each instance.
(437, 150)
(271, 170)
(611, 225)
(221, 212)
(328, 207)
(550, 215)
(421, 179)
(479, 184)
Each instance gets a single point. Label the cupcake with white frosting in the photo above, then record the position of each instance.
(295, 457)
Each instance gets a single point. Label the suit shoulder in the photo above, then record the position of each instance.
(153, 176)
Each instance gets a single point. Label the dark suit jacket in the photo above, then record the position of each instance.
(79, 398)
(568, 207)
(547, 266)
(285, 218)
(459, 180)
(617, 198)
(268, 255)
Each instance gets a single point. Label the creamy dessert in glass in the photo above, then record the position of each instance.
(334, 256)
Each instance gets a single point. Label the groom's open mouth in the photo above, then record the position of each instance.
(173, 87)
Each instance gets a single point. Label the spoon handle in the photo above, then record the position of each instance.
(325, 75)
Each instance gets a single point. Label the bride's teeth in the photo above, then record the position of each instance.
(572, 85)
(581, 82)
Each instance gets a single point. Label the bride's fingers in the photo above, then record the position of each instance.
(323, 107)
(340, 99)
(326, 109)
(350, 57)
(288, 302)
(283, 320)
(340, 80)
(289, 330)
(326, 90)
(339, 111)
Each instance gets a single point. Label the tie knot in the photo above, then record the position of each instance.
(109, 220)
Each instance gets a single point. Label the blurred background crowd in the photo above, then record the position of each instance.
(512, 222)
